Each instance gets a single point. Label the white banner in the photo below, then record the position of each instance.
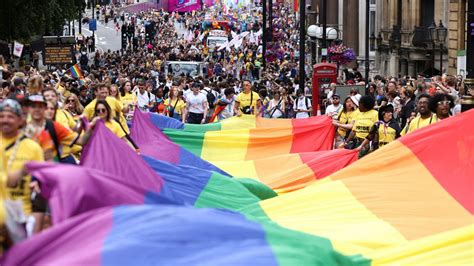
(17, 49)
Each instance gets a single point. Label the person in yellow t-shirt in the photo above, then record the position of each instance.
(248, 102)
(364, 120)
(16, 151)
(344, 120)
(102, 91)
(102, 111)
(384, 131)
(425, 117)
(175, 107)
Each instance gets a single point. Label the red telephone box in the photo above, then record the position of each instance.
(323, 75)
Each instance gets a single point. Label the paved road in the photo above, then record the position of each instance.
(106, 35)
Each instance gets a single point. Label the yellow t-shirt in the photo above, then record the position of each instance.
(419, 122)
(364, 121)
(179, 106)
(386, 135)
(345, 118)
(65, 118)
(116, 107)
(115, 128)
(28, 150)
(244, 100)
(3, 196)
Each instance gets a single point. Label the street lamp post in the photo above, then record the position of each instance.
(442, 33)
(367, 28)
(264, 32)
(313, 34)
(324, 22)
(302, 44)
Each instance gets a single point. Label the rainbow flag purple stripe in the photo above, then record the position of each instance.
(172, 235)
(76, 71)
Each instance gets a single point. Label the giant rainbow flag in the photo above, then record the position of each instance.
(409, 202)
(171, 235)
(283, 172)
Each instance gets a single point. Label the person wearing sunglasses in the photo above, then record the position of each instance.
(103, 112)
(73, 106)
(425, 117)
(441, 104)
(17, 149)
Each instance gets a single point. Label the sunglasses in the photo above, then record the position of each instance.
(101, 110)
(70, 101)
(444, 103)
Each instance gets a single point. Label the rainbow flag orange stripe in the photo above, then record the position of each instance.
(289, 172)
(410, 201)
(76, 71)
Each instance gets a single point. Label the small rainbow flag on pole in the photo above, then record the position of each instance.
(77, 73)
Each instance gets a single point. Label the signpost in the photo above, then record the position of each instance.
(58, 50)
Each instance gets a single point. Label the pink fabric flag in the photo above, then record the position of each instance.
(123, 162)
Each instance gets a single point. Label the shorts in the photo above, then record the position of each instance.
(195, 118)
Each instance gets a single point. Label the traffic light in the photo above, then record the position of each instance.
(149, 31)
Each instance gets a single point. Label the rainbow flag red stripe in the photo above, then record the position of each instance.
(76, 71)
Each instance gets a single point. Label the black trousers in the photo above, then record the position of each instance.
(195, 118)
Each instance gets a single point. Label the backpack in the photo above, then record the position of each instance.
(211, 98)
(52, 132)
(305, 103)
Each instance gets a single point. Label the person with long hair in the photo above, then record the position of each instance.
(344, 121)
(276, 107)
(126, 96)
(114, 92)
(73, 105)
(174, 105)
(102, 111)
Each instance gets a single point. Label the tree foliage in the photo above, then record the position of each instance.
(23, 19)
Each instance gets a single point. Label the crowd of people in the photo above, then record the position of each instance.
(44, 113)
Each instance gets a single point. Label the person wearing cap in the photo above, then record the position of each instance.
(384, 131)
(196, 106)
(17, 149)
(334, 109)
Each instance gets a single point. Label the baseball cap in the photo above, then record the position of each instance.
(12, 106)
(336, 95)
(36, 99)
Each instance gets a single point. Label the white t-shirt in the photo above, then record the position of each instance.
(196, 103)
(333, 111)
(144, 99)
(275, 111)
(302, 103)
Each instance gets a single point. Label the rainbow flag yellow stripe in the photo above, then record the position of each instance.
(410, 201)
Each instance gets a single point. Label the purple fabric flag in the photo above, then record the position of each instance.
(123, 162)
(72, 190)
(153, 142)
